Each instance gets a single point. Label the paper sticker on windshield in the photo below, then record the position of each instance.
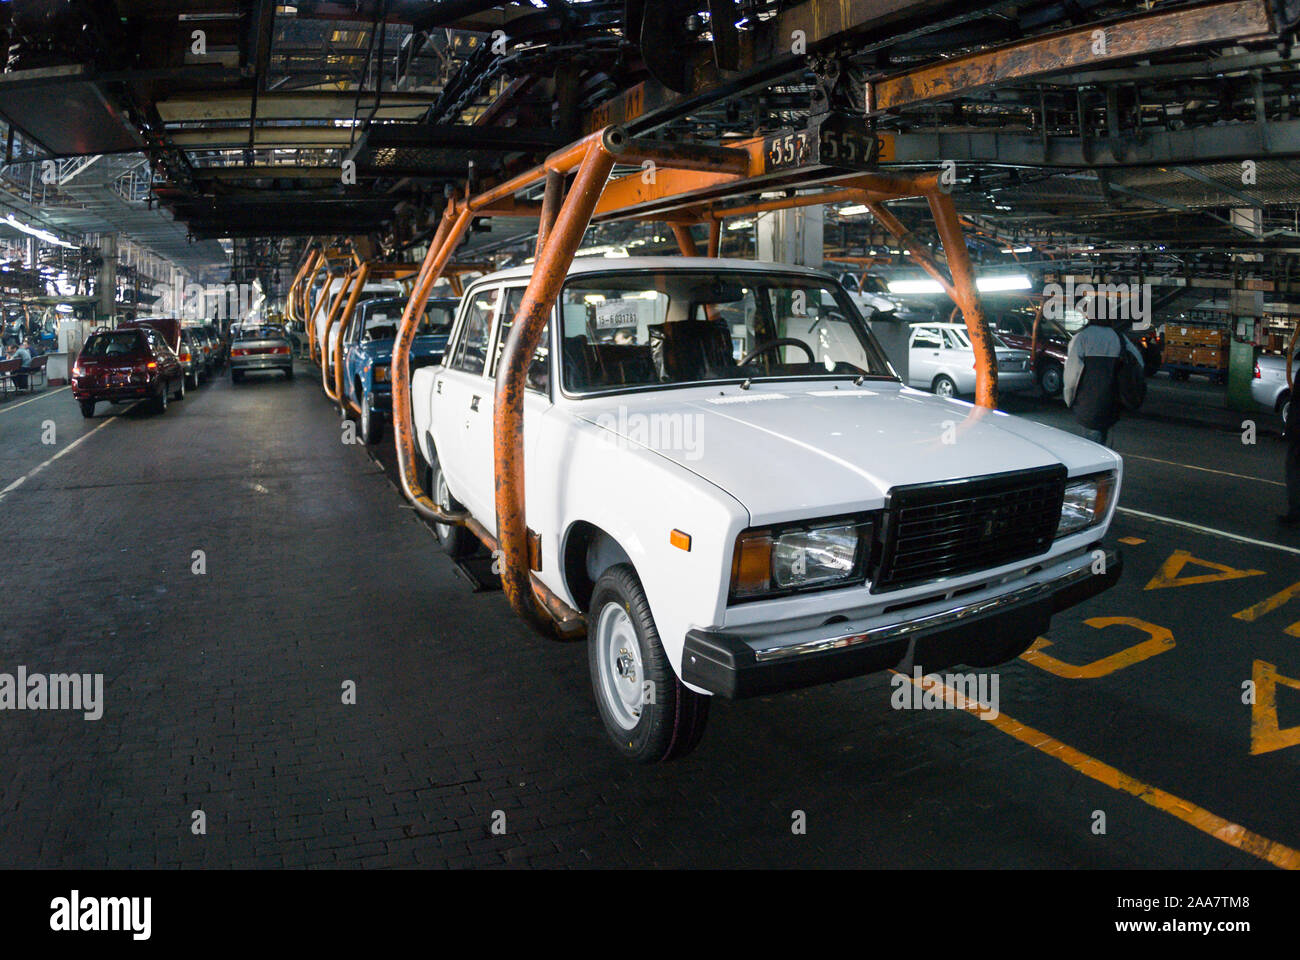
(615, 313)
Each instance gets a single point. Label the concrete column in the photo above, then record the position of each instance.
(791, 236)
(107, 280)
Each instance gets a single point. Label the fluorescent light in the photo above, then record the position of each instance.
(1017, 249)
(854, 210)
(740, 224)
(36, 232)
(1013, 281)
(986, 284)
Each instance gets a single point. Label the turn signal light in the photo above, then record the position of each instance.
(151, 365)
(751, 564)
(238, 352)
(185, 357)
(682, 541)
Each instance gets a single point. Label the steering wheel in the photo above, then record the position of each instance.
(779, 342)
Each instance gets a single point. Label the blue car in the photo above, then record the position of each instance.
(368, 351)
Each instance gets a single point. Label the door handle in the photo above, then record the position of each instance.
(437, 386)
(473, 403)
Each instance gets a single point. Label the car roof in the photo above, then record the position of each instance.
(588, 265)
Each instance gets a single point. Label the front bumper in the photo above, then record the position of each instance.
(981, 633)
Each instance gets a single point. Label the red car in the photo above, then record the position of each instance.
(1016, 327)
(129, 363)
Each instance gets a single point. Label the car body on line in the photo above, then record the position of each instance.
(1269, 386)
(130, 363)
(368, 352)
(258, 348)
(724, 473)
(942, 360)
(870, 291)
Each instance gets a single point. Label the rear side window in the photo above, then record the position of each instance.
(471, 349)
(926, 338)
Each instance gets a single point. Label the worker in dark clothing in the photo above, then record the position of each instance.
(1292, 516)
(1092, 377)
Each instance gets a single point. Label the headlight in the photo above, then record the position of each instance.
(380, 373)
(1086, 502)
(774, 562)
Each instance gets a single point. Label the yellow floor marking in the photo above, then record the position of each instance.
(1188, 466)
(1265, 735)
(1159, 640)
(1234, 835)
(1270, 604)
(1167, 575)
(1131, 541)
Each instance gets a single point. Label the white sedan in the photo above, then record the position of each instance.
(724, 474)
(942, 360)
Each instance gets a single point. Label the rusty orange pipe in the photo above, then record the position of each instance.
(968, 298)
(549, 272)
(344, 321)
(552, 197)
(314, 307)
(685, 240)
(1033, 337)
(715, 237)
(339, 299)
(455, 221)
(915, 251)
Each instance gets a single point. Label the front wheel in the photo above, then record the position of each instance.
(944, 387)
(649, 714)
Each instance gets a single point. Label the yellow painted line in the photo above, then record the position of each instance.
(48, 393)
(1225, 831)
(1218, 533)
(1188, 466)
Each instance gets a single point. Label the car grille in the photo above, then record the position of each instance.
(938, 530)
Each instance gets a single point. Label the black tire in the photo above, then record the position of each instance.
(192, 380)
(160, 399)
(1052, 379)
(457, 542)
(943, 386)
(288, 373)
(87, 408)
(672, 722)
(371, 428)
(180, 388)
(236, 376)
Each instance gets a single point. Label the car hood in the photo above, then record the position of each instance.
(381, 351)
(799, 450)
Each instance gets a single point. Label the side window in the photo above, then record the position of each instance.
(471, 349)
(926, 338)
(954, 341)
(539, 370)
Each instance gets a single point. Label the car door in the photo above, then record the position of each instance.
(462, 404)
(923, 356)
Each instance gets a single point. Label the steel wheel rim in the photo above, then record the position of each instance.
(943, 389)
(365, 419)
(442, 496)
(618, 656)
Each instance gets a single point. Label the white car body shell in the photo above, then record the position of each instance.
(1270, 388)
(777, 451)
(946, 352)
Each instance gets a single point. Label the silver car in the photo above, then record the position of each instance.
(1269, 386)
(260, 347)
(942, 360)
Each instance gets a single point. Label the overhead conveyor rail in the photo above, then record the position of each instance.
(690, 183)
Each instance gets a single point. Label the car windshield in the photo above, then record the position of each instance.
(383, 317)
(114, 344)
(653, 328)
(261, 333)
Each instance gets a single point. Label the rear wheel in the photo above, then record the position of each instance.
(372, 425)
(160, 401)
(458, 542)
(1051, 379)
(944, 386)
(192, 379)
(649, 714)
(236, 376)
(288, 373)
(180, 388)
(87, 408)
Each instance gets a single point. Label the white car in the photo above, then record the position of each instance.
(870, 292)
(1269, 386)
(942, 360)
(727, 478)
